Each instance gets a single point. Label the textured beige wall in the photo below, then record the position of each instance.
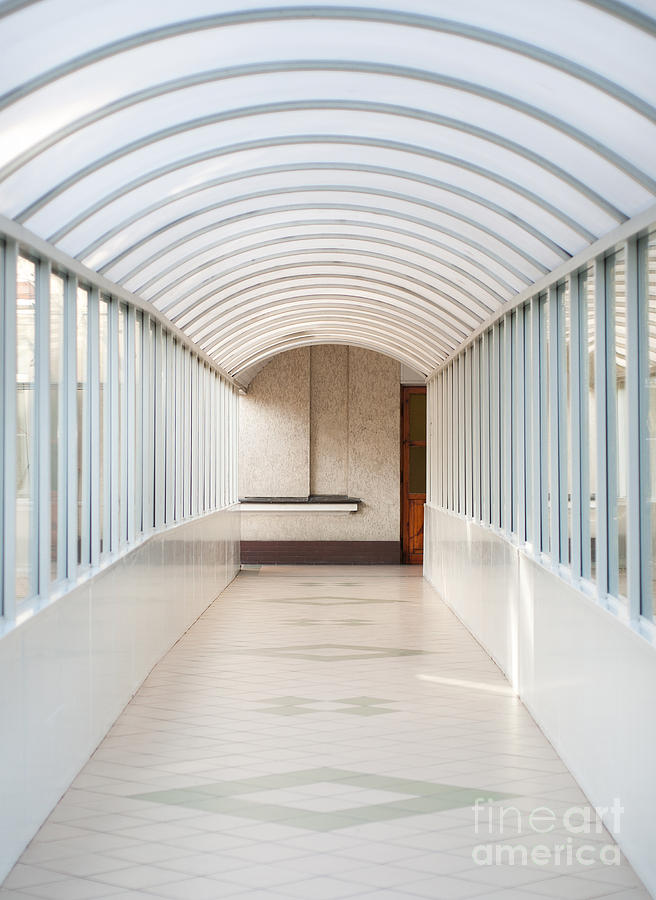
(345, 440)
(274, 429)
(374, 438)
(329, 419)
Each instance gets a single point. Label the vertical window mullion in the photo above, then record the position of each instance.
(213, 418)
(469, 421)
(536, 426)
(520, 426)
(485, 426)
(449, 394)
(169, 404)
(179, 424)
(461, 434)
(159, 370)
(148, 426)
(194, 436)
(42, 496)
(579, 435)
(495, 433)
(187, 433)
(564, 396)
(476, 432)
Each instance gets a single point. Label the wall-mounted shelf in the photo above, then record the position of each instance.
(315, 503)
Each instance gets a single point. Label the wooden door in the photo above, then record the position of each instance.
(413, 473)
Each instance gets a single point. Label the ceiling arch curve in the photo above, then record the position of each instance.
(392, 185)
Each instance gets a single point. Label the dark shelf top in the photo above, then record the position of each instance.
(313, 498)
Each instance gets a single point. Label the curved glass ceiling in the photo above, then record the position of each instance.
(375, 174)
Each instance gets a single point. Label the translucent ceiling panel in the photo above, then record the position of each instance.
(462, 191)
(252, 334)
(464, 305)
(181, 265)
(205, 264)
(482, 151)
(389, 174)
(139, 121)
(443, 222)
(406, 317)
(186, 313)
(364, 291)
(99, 24)
(154, 256)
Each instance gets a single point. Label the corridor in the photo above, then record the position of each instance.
(321, 732)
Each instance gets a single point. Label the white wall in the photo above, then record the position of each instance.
(67, 672)
(588, 679)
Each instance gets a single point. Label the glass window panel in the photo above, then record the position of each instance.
(651, 411)
(417, 478)
(57, 458)
(545, 441)
(25, 427)
(417, 416)
(616, 295)
(566, 419)
(138, 423)
(82, 338)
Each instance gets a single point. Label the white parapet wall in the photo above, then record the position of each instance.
(67, 671)
(587, 678)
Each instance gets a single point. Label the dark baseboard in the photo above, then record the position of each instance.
(363, 553)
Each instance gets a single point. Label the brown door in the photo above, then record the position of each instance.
(413, 473)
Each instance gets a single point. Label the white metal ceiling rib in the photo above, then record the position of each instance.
(374, 174)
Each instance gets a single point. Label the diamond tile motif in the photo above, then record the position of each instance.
(332, 652)
(320, 622)
(328, 601)
(300, 706)
(281, 798)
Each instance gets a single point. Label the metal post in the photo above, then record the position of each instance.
(577, 362)
(536, 425)
(93, 472)
(130, 424)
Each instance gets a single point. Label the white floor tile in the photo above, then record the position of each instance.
(254, 762)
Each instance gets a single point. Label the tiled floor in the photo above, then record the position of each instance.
(320, 733)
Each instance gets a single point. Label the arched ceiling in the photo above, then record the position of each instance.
(380, 174)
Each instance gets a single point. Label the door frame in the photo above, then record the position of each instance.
(406, 391)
